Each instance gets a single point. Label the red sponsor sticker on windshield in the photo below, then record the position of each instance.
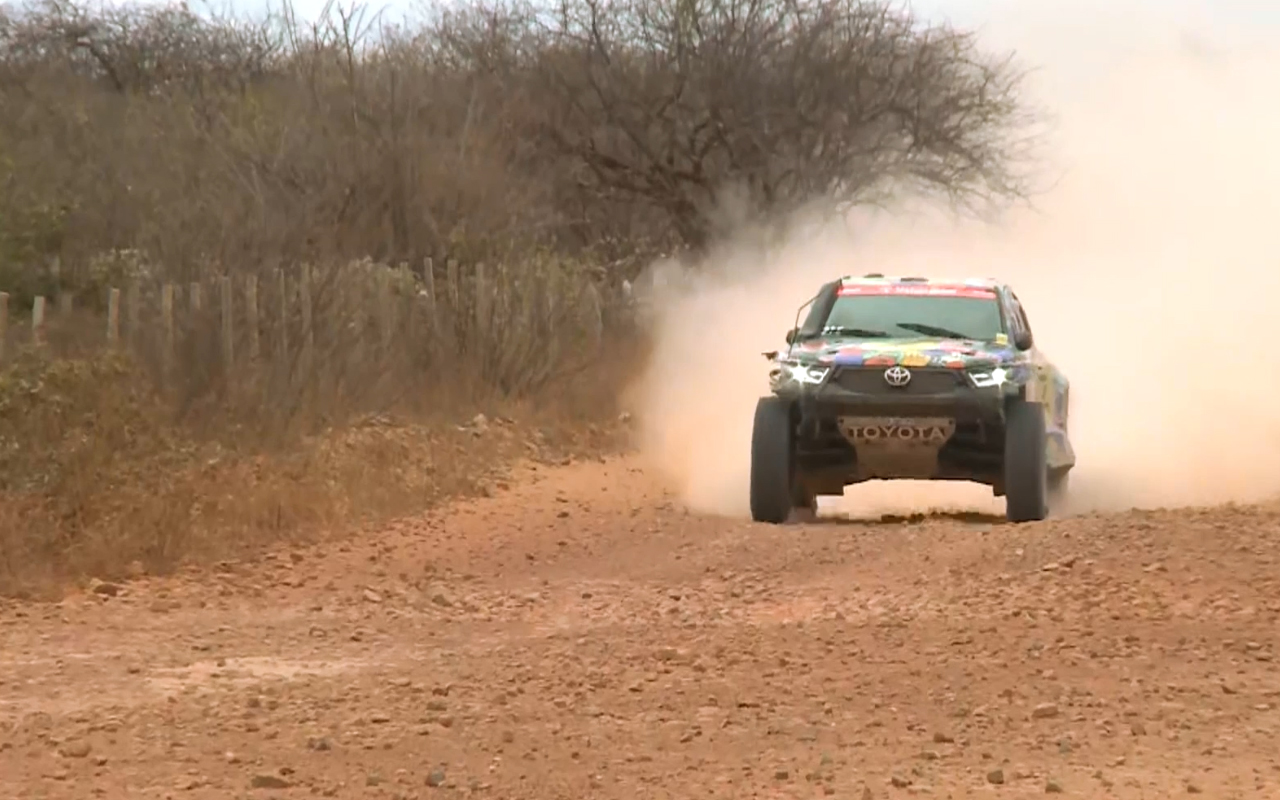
(918, 290)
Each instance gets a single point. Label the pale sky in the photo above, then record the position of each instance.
(1074, 43)
(1046, 14)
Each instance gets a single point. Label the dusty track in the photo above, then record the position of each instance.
(580, 636)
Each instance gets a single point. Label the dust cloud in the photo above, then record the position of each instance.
(1150, 272)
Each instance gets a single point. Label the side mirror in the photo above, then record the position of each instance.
(1022, 340)
(791, 336)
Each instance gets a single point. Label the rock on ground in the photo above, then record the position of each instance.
(582, 636)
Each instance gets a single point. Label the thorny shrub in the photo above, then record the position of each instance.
(98, 479)
(602, 129)
(536, 155)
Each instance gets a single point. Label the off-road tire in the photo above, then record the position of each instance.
(1026, 473)
(773, 484)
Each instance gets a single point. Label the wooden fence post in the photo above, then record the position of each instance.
(133, 312)
(595, 313)
(197, 297)
(308, 331)
(228, 333)
(113, 316)
(385, 312)
(451, 277)
(37, 320)
(251, 309)
(456, 341)
(4, 321)
(282, 289)
(483, 302)
(429, 284)
(409, 321)
(166, 315)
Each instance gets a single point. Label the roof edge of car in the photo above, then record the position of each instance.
(879, 277)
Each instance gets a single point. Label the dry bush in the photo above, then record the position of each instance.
(228, 145)
(99, 477)
(429, 220)
(597, 129)
(162, 449)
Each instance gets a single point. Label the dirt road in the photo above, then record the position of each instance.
(579, 636)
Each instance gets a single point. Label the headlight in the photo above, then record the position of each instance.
(806, 373)
(986, 380)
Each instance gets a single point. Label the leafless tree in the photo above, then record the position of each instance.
(605, 129)
(785, 102)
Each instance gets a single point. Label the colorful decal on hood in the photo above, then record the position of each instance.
(847, 357)
(915, 353)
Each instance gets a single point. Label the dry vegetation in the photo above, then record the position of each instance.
(328, 165)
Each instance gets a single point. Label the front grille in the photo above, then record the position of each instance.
(870, 380)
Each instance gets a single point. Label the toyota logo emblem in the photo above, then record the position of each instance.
(897, 376)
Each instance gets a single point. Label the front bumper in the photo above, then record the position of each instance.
(932, 392)
(956, 425)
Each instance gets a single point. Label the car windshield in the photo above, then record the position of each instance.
(971, 314)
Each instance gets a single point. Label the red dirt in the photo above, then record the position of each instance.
(581, 636)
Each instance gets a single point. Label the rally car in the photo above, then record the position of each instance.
(910, 378)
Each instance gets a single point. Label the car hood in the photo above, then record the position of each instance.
(908, 352)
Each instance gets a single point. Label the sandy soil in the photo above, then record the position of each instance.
(580, 635)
